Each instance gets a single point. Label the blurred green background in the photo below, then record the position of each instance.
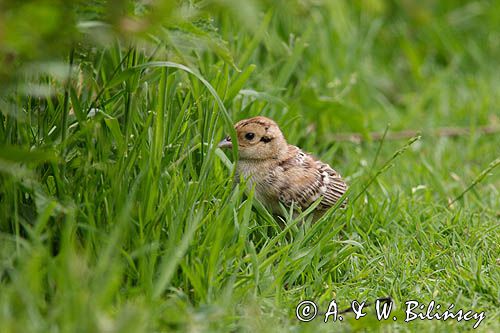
(117, 212)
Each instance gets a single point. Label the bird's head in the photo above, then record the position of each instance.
(259, 138)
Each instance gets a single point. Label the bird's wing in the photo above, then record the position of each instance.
(305, 179)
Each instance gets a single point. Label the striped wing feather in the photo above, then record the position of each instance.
(307, 179)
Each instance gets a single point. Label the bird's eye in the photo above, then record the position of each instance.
(249, 136)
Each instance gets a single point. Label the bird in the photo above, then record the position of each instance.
(282, 173)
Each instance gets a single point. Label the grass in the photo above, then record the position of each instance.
(118, 212)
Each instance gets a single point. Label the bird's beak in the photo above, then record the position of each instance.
(226, 143)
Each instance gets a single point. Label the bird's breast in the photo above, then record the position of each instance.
(259, 174)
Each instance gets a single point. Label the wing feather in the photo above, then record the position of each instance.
(306, 179)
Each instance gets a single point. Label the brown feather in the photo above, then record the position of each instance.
(281, 172)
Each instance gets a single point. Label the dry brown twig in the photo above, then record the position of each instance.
(406, 134)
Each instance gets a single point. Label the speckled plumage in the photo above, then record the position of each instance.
(282, 172)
